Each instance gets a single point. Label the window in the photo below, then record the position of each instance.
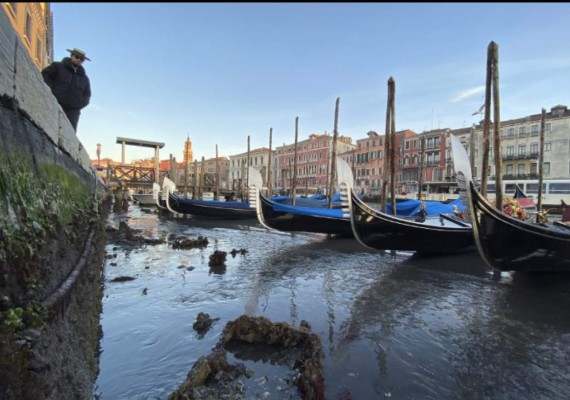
(546, 168)
(534, 168)
(436, 174)
(28, 27)
(510, 150)
(522, 131)
(436, 141)
(562, 188)
(547, 146)
(533, 188)
(522, 149)
(407, 144)
(39, 48)
(548, 127)
(509, 169)
(534, 130)
(534, 148)
(511, 132)
(12, 8)
(521, 169)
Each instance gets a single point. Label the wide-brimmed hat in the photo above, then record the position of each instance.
(80, 52)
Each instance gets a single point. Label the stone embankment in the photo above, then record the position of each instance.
(51, 240)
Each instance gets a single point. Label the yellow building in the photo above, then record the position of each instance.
(34, 24)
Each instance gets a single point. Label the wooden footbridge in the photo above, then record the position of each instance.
(135, 176)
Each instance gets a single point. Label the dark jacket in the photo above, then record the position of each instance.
(71, 88)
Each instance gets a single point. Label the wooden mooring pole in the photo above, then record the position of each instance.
(333, 156)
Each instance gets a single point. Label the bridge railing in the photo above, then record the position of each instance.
(133, 175)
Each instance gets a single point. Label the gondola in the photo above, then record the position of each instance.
(441, 234)
(144, 199)
(525, 203)
(210, 208)
(288, 218)
(312, 217)
(158, 196)
(322, 219)
(510, 244)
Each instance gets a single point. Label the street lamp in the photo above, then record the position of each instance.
(98, 154)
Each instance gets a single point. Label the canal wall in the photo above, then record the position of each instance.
(52, 206)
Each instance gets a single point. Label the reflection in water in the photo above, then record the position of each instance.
(218, 269)
(391, 324)
(451, 331)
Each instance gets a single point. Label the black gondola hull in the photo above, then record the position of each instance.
(381, 231)
(291, 222)
(508, 244)
(202, 209)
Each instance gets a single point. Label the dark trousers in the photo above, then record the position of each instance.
(72, 116)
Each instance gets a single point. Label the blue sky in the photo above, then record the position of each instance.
(220, 72)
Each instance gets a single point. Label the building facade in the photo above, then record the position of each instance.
(258, 159)
(520, 146)
(313, 162)
(34, 24)
(520, 150)
(368, 164)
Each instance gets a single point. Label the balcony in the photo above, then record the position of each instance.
(512, 177)
(410, 166)
(520, 156)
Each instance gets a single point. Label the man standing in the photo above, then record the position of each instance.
(69, 84)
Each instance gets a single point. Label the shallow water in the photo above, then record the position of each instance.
(391, 324)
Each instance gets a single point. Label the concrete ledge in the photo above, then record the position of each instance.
(34, 96)
(20, 79)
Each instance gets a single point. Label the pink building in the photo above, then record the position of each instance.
(313, 162)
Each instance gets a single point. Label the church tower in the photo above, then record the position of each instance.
(188, 156)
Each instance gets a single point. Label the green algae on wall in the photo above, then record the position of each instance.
(36, 202)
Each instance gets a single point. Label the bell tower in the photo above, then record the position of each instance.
(188, 155)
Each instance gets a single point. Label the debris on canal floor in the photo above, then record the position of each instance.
(123, 279)
(217, 258)
(234, 252)
(213, 377)
(188, 243)
(203, 323)
(127, 236)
